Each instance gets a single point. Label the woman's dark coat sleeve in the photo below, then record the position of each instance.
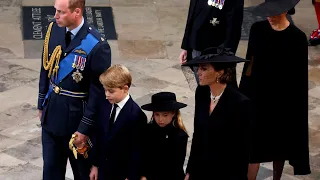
(234, 20)
(181, 151)
(245, 85)
(300, 162)
(241, 151)
(185, 39)
(196, 143)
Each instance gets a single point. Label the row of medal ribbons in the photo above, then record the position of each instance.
(216, 3)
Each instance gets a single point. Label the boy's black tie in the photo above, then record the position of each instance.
(112, 117)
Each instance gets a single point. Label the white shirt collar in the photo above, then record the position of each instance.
(123, 102)
(77, 29)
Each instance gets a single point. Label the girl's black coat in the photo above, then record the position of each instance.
(164, 152)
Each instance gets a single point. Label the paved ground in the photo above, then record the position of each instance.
(150, 33)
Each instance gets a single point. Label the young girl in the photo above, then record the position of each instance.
(165, 139)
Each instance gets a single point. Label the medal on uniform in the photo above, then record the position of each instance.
(77, 76)
(214, 21)
(217, 3)
(221, 4)
(214, 2)
(79, 63)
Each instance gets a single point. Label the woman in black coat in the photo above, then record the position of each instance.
(165, 139)
(276, 80)
(222, 121)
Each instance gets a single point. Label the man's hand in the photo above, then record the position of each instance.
(143, 178)
(94, 173)
(40, 114)
(183, 57)
(80, 140)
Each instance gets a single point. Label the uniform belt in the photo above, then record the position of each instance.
(60, 91)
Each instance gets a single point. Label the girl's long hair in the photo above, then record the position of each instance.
(176, 121)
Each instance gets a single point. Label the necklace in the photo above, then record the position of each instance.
(216, 3)
(215, 98)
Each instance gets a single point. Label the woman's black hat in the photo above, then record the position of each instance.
(275, 7)
(163, 101)
(215, 55)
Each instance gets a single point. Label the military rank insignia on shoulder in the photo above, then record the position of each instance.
(96, 34)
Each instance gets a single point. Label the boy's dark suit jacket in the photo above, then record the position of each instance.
(118, 153)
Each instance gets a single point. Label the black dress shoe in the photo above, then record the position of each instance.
(314, 42)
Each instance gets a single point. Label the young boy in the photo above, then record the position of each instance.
(116, 152)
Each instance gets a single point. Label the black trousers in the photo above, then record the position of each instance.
(56, 152)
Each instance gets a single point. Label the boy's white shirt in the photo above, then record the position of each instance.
(120, 106)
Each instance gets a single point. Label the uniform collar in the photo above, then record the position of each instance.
(77, 29)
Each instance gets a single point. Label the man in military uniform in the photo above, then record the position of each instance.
(74, 56)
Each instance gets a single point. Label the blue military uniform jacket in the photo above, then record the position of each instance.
(73, 105)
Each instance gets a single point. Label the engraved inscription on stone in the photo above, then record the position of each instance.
(37, 19)
(36, 23)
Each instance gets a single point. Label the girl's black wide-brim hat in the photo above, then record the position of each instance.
(215, 55)
(275, 7)
(163, 101)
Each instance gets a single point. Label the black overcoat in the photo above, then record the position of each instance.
(201, 34)
(220, 144)
(276, 80)
(164, 152)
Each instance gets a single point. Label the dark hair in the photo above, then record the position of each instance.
(292, 11)
(228, 69)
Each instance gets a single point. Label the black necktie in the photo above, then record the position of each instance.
(68, 38)
(112, 117)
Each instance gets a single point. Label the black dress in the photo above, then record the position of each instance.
(276, 79)
(164, 152)
(220, 143)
